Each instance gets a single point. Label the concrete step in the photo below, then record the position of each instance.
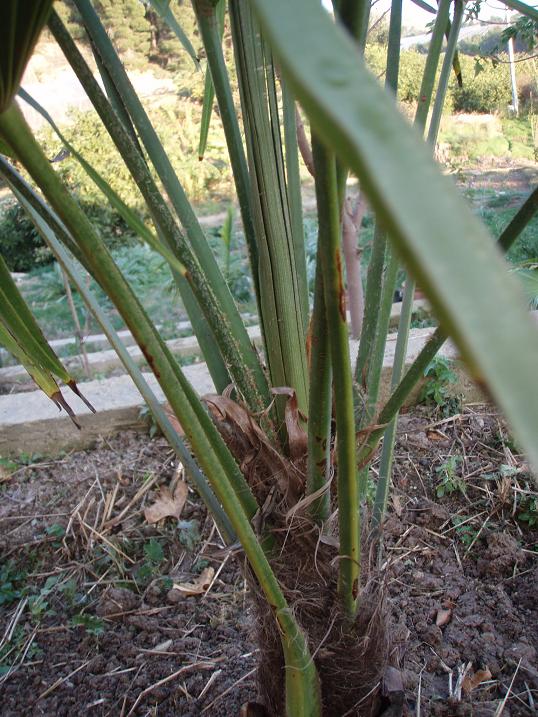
(30, 422)
(107, 360)
(103, 361)
(99, 342)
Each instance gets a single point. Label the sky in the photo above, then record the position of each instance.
(413, 15)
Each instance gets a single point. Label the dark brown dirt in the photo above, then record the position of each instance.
(464, 571)
(460, 570)
(150, 632)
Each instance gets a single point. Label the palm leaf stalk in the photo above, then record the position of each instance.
(211, 452)
(281, 303)
(334, 296)
(126, 213)
(369, 367)
(41, 376)
(523, 8)
(354, 16)
(164, 10)
(216, 367)
(370, 362)
(444, 77)
(293, 183)
(204, 275)
(427, 224)
(19, 33)
(151, 142)
(377, 262)
(400, 353)
(22, 336)
(226, 325)
(320, 406)
(190, 412)
(210, 24)
(22, 192)
(519, 221)
(121, 133)
(416, 370)
(115, 98)
(78, 331)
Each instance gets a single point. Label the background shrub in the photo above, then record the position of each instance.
(486, 88)
(178, 128)
(24, 250)
(20, 244)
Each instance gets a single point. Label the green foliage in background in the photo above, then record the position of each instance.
(137, 31)
(24, 250)
(486, 88)
(20, 244)
(436, 390)
(178, 124)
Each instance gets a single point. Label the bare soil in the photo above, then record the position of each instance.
(460, 571)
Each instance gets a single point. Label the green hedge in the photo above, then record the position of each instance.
(24, 250)
(178, 128)
(20, 244)
(486, 89)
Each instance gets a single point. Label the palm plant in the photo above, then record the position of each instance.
(278, 473)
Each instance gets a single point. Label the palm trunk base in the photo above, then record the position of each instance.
(350, 658)
(350, 655)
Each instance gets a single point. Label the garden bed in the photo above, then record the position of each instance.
(91, 624)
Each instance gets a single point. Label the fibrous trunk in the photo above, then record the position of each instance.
(350, 655)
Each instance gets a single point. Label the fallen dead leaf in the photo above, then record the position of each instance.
(443, 617)
(397, 505)
(163, 646)
(167, 505)
(197, 586)
(435, 435)
(471, 681)
(5, 475)
(173, 419)
(504, 491)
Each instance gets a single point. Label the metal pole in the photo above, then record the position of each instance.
(515, 99)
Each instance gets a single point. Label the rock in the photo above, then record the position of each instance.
(174, 596)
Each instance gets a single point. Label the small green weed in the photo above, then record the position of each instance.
(528, 510)
(450, 482)
(464, 531)
(12, 583)
(38, 604)
(56, 531)
(7, 466)
(28, 459)
(91, 623)
(200, 565)
(189, 534)
(15, 648)
(147, 416)
(153, 552)
(440, 376)
(154, 556)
